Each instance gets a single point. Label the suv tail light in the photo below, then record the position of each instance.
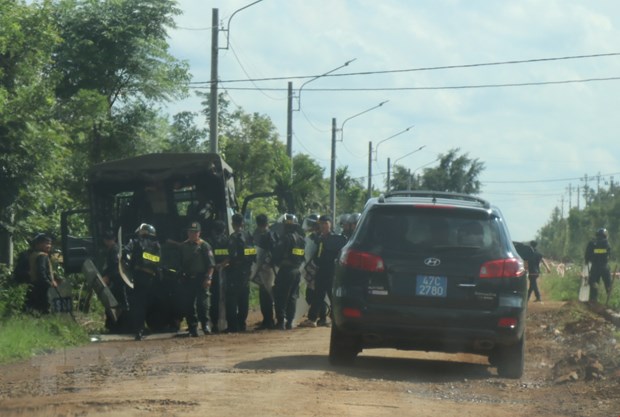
(502, 268)
(365, 261)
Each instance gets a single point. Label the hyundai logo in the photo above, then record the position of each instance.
(432, 262)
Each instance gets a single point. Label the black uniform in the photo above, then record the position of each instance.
(219, 244)
(145, 255)
(329, 248)
(533, 273)
(288, 256)
(597, 253)
(264, 240)
(242, 253)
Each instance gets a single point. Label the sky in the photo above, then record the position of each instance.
(530, 88)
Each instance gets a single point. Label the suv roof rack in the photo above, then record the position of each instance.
(434, 195)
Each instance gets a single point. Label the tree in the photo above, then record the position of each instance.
(455, 173)
(33, 146)
(185, 136)
(117, 50)
(350, 192)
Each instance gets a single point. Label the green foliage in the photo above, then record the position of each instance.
(25, 336)
(351, 193)
(11, 296)
(566, 238)
(454, 173)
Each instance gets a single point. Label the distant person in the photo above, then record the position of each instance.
(143, 254)
(534, 271)
(288, 255)
(41, 274)
(219, 243)
(241, 256)
(264, 275)
(197, 265)
(597, 254)
(330, 245)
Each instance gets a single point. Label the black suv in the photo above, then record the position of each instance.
(431, 271)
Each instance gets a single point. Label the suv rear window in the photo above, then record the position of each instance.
(409, 228)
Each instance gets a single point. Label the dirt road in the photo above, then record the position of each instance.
(286, 373)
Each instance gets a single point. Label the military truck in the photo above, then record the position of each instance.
(166, 190)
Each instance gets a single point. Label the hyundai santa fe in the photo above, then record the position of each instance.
(431, 271)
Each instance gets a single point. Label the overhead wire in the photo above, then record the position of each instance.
(435, 68)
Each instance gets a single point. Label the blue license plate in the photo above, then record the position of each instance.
(431, 286)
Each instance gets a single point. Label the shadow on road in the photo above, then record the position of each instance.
(374, 367)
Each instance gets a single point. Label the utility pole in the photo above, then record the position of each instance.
(369, 169)
(213, 92)
(332, 187)
(289, 124)
(388, 174)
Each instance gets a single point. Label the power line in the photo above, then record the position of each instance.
(486, 64)
(548, 180)
(454, 87)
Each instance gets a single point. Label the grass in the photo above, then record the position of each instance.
(24, 336)
(566, 288)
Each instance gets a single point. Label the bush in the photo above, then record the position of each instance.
(12, 297)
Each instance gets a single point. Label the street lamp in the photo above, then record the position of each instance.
(370, 159)
(289, 113)
(213, 110)
(332, 188)
(394, 164)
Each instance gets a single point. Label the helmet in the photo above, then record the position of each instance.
(310, 222)
(353, 218)
(146, 230)
(343, 219)
(289, 218)
(601, 233)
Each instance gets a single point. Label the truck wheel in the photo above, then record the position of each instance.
(342, 348)
(510, 360)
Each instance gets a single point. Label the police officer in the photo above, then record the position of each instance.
(264, 275)
(143, 254)
(219, 242)
(308, 271)
(288, 255)
(330, 244)
(241, 255)
(197, 264)
(350, 224)
(41, 274)
(597, 253)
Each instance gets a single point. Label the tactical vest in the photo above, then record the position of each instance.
(33, 267)
(600, 252)
(146, 255)
(220, 248)
(294, 254)
(242, 249)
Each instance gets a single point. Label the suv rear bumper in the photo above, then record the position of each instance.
(428, 329)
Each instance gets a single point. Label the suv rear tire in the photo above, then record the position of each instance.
(511, 360)
(342, 348)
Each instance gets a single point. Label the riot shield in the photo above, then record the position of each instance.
(94, 281)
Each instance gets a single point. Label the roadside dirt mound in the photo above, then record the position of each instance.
(585, 342)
